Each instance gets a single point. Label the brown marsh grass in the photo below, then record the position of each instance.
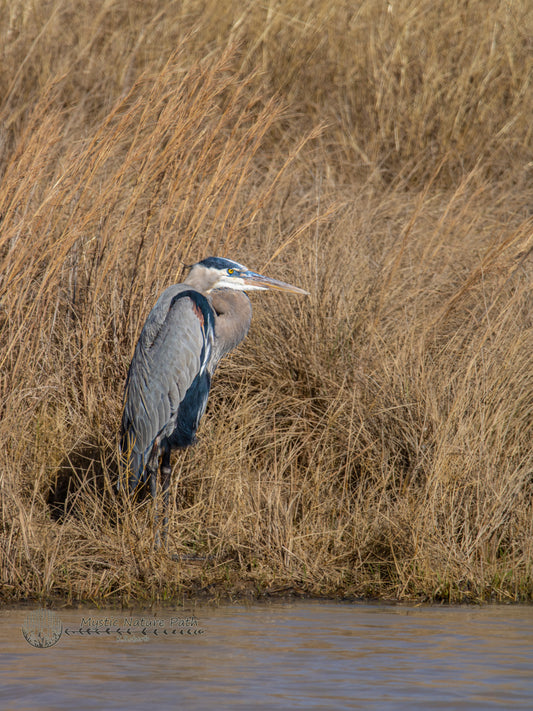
(371, 440)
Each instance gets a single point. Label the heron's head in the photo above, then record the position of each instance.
(218, 273)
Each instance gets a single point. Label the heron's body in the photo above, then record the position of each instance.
(191, 327)
(183, 339)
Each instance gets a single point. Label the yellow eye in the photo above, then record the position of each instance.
(230, 271)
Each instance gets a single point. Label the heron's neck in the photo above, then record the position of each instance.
(197, 280)
(233, 317)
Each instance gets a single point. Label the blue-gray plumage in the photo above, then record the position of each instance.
(191, 327)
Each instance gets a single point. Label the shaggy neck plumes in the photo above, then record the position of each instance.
(233, 317)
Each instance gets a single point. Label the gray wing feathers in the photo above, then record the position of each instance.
(167, 358)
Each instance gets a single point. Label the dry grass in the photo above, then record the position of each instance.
(374, 439)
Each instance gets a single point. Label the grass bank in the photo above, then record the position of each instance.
(374, 439)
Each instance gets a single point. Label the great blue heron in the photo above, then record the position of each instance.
(191, 327)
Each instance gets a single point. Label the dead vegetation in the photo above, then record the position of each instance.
(374, 439)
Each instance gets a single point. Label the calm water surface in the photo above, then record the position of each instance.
(283, 655)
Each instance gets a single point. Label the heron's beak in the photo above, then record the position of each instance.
(263, 282)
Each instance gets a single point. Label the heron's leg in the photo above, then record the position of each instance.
(151, 470)
(165, 484)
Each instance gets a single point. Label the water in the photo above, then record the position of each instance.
(283, 655)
